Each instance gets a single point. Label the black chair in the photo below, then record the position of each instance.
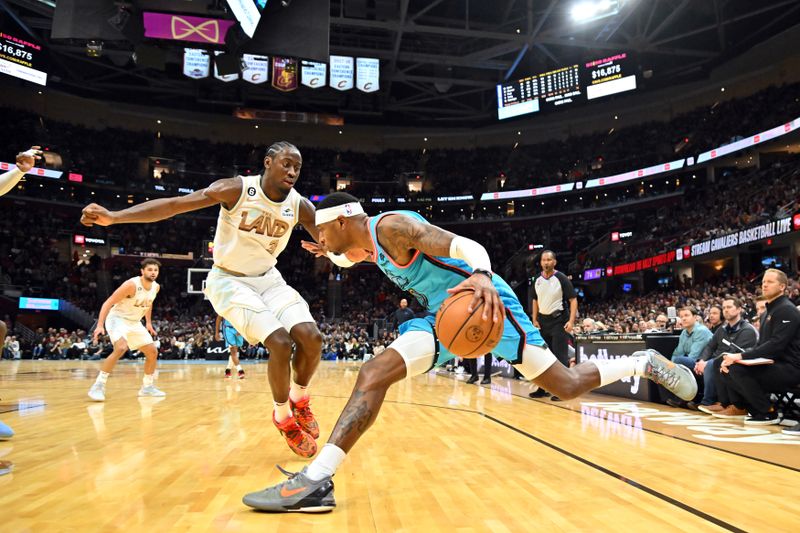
(786, 403)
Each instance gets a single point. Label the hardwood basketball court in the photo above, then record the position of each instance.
(442, 456)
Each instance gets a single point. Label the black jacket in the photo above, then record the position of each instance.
(780, 333)
(744, 336)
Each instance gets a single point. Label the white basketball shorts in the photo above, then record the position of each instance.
(256, 306)
(133, 331)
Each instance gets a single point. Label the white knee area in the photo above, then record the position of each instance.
(417, 348)
(535, 360)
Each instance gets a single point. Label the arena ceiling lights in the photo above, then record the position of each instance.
(591, 11)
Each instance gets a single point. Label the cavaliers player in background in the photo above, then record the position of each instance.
(121, 317)
(256, 217)
(24, 163)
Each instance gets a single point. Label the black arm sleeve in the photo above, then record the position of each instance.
(784, 328)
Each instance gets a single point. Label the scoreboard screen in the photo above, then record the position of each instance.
(609, 75)
(567, 85)
(542, 91)
(21, 58)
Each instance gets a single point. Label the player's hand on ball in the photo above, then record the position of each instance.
(27, 159)
(315, 248)
(484, 290)
(96, 214)
(99, 330)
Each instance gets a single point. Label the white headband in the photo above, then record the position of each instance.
(332, 213)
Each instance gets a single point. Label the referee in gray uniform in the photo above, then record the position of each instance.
(553, 291)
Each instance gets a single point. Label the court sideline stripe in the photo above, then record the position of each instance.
(651, 430)
(676, 437)
(635, 484)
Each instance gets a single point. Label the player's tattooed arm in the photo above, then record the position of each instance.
(401, 235)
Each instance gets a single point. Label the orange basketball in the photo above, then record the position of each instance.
(463, 333)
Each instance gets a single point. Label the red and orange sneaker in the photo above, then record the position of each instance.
(298, 440)
(302, 412)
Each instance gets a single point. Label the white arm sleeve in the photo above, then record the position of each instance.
(470, 251)
(340, 260)
(9, 180)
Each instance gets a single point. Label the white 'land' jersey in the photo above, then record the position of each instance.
(254, 231)
(136, 306)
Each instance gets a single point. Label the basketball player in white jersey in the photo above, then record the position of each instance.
(256, 217)
(24, 163)
(121, 316)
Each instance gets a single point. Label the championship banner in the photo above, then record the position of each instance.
(226, 77)
(196, 63)
(367, 74)
(284, 73)
(341, 73)
(186, 28)
(313, 74)
(256, 69)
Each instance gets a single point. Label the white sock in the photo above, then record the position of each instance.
(230, 363)
(238, 368)
(282, 411)
(102, 377)
(612, 370)
(297, 392)
(326, 463)
(148, 380)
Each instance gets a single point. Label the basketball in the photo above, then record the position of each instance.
(463, 333)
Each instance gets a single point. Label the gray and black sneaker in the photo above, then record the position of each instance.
(677, 379)
(794, 430)
(298, 494)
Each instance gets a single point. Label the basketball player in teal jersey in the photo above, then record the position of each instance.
(224, 330)
(24, 163)
(433, 264)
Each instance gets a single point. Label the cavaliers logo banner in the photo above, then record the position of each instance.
(341, 73)
(186, 28)
(284, 73)
(367, 74)
(256, 69)
(313, 74)
(196, 63)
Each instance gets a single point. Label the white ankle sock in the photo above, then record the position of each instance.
(282, 411)
(102, 377)
(298, 392)
(230, 363)
(612, 370)
(326, 463)
(147, 380)
(238, 368)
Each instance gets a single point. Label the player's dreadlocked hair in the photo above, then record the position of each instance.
(278, 146)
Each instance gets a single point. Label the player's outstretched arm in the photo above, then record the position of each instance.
(410, 234)
(225, 192)
(25, 161)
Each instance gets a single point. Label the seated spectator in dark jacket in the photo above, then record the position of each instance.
(749, 387)
(735, 330)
